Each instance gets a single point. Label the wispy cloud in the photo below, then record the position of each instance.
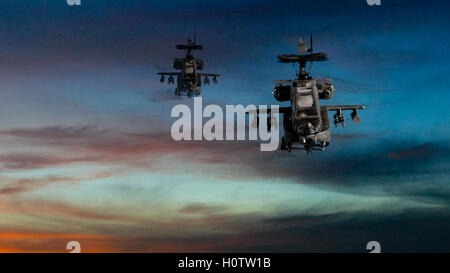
(11, 186)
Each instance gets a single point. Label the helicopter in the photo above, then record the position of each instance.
(306, 122)
(189, 80)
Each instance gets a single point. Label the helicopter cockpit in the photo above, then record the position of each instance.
(305, 106)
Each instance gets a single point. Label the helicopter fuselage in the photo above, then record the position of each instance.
(306, 122)
(189, 81)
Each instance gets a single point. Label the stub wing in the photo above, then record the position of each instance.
(169, 73)
(339, 117)
(171, 79)
(209, 75)
(206, 79)
(271, 120)
(281, 110)
(344, 107)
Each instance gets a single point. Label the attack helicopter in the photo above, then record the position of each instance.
(305, 121)
(189, 79)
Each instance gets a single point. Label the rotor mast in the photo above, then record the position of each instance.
(302, 48)
(190, 47)
(304, 55)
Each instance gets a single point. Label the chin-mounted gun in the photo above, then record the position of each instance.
(310, 145)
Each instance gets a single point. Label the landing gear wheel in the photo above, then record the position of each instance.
(323, 144)
(283, 144)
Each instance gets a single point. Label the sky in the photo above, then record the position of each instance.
(86, 153)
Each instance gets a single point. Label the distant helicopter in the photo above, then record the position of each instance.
(189, 80)
(305, 122)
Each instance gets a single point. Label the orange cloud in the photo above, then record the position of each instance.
(13, 235)
(33, 242)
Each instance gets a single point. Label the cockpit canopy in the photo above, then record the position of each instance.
(305, 106)
(305, 101)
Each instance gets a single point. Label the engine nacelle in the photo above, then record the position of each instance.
(200, 64)
(178, 64)
(282, 93)
(325, 88)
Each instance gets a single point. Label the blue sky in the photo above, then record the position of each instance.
(86, 151)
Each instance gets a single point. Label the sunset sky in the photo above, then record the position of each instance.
(86, 153)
